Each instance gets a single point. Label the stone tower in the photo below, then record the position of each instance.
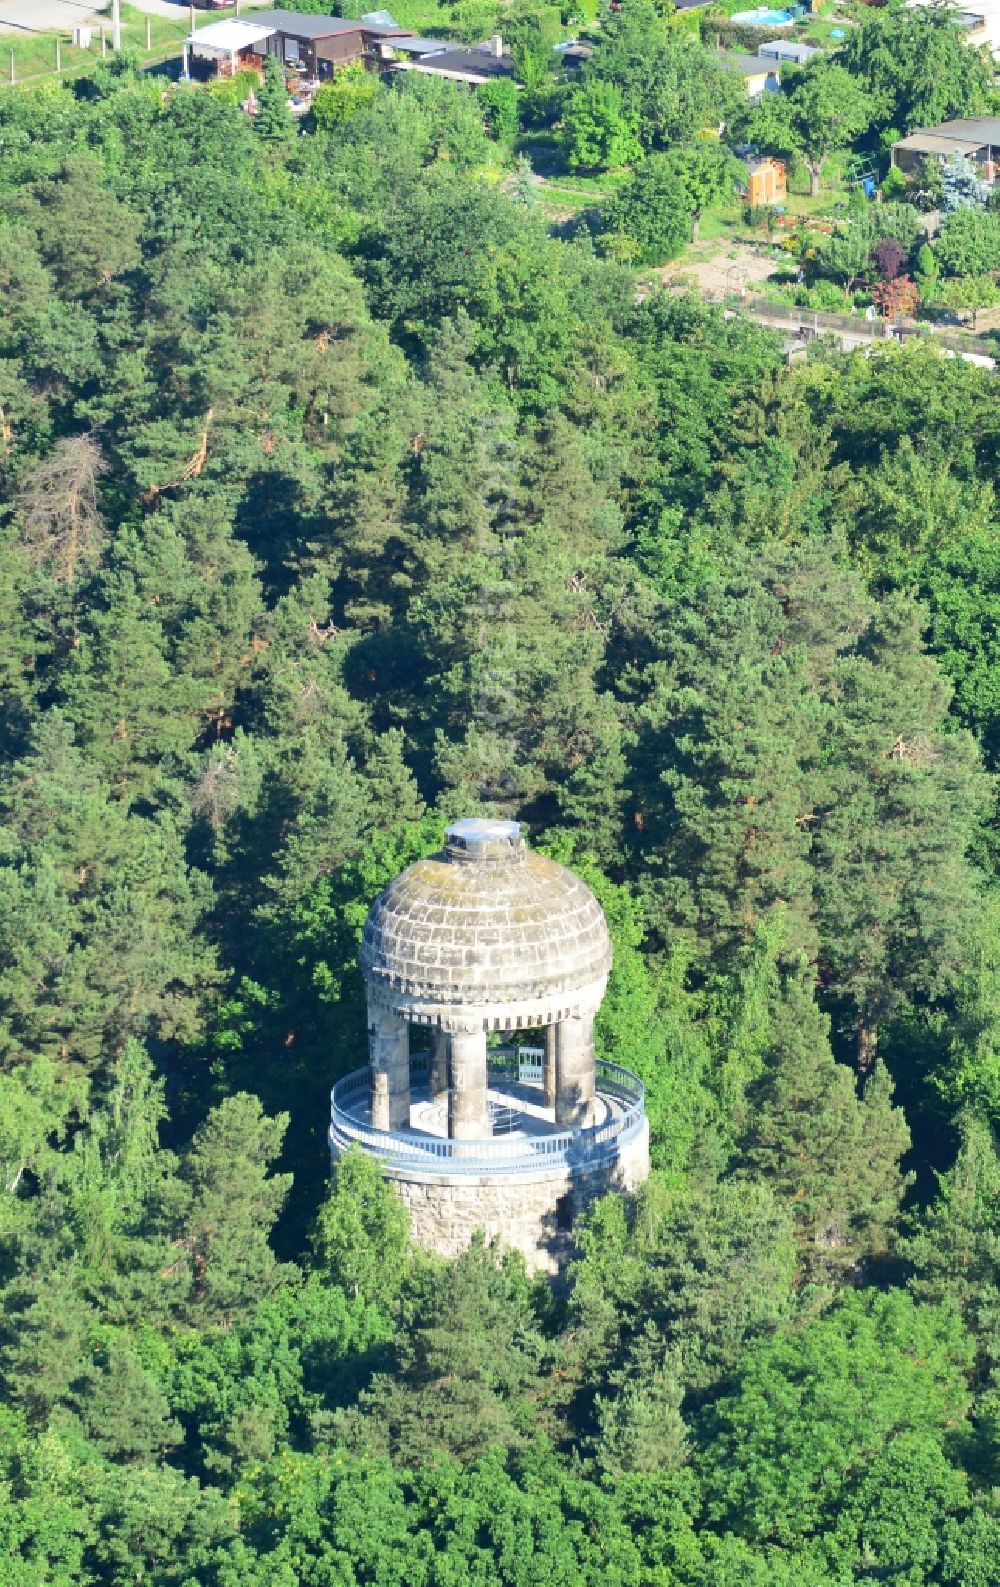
(512, 1136)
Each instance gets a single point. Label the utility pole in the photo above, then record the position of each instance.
(149, 41)
(104, 42)
(116, 24)
(13, 74)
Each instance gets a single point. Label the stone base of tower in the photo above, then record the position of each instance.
(527, 1183)
(534, 1213)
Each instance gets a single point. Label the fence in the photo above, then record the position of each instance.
(815, 321)
(581, 1148)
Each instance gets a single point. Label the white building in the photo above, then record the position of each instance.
(980, 21)
(228, 46)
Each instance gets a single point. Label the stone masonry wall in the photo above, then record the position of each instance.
(530, 1213)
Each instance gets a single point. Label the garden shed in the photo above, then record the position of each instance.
(317, 45)
(766, 182)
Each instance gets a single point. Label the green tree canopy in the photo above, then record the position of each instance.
(599, 135)
(829, 109)
(917, 68)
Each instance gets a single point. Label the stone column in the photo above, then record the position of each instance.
(389, 1047)
(437, 1069)
(575, 1072)
(551, 1060)
(467, 1117)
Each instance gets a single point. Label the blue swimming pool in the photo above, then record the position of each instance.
(763, 18)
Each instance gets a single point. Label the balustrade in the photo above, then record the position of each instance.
(498, 1154)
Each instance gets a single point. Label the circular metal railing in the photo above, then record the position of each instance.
(580, 1148)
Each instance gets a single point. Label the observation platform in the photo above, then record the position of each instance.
(488, 936)
(524, 1139)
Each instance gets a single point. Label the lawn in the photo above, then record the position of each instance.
(726, 223)
(820, 30)
(564, 196)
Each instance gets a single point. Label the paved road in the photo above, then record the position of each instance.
(39, 16)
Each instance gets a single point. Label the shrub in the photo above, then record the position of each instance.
(652, 210)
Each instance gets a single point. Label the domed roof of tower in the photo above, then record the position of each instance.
(487, 928)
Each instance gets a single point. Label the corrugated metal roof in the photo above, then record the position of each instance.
(230, 35)
(421, 46)
(933, 143)
(786, 50)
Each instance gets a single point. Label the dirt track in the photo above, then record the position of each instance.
(714, 266)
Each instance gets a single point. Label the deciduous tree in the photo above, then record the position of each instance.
(829, 110)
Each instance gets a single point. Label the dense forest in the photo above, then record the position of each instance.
(340, 494)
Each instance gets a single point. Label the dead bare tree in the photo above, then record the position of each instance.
(216, 794)
(59, 509)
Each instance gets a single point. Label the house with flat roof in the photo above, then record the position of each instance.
(416, 48)
(474, 63)
(761, 76)
(977, 137)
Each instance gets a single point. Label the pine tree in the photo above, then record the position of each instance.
(686, 1283)
(273, 120)
(390, 783)
(831, 1157)
(362, 1230)
(88, 237)
(641, 1427)
(463, 1366)
(366, 510)
(132, 712)
(897, 895)
(234, 1202)
(955, 1247)
(54, 801)
(523, 723)
(48, 1328)
(732, 721)
(190, 565)
(122, 1408)
(99, 914)
(39, 1104)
